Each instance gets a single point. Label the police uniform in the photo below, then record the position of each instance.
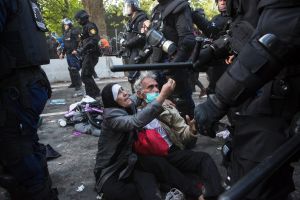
(264, 82)
(24, 90)
(173, 19)
(134, 41)
(70, 39)
(213, 29)
(89, 50)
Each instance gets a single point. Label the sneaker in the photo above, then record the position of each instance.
(71, 86)
(174, 194)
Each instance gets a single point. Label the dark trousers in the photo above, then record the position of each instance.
(140, 186)
(171, 170)
(74, 68)
(20, 154)
(87, 71)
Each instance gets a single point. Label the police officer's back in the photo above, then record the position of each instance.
(24, 90)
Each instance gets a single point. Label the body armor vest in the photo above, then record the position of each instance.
(24, 36)
(278, 3)
(70, 40)
(133, 26)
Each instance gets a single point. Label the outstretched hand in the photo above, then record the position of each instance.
(192, 124)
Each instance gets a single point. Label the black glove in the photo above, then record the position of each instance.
(198, 14)
(206, 116)
(221, 46)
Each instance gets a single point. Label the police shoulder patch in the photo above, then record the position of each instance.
(93, 31)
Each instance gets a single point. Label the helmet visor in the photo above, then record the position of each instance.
(127, 9)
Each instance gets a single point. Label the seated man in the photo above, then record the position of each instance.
(176, 133)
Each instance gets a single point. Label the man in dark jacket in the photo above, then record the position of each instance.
(264, 82)
(71, 40)
(134, 40)
(175, 133)
(89, 51)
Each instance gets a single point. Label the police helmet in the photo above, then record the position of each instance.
(217, 1)
(67, 21)
(130, 6)
(82, 17)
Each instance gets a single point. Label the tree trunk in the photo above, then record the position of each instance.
(96, 11)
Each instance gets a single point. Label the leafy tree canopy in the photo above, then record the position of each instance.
(55, 10)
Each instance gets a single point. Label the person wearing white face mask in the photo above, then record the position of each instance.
(174, 134)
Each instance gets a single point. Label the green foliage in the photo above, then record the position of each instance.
(114, 17)
(148, 5)
(55, 10)
(209, 7)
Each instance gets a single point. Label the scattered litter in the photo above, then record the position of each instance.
(62, 122)
(174, 194)
(57, 102)
(219, 148)
(59, 163)
(87, 128)
(85, 99)
(80, 188)
(76, 133)
(223, 134)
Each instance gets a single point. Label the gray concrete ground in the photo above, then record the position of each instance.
(75, 167)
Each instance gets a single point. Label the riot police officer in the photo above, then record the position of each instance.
(264, 82)
(173, 19)
(217, 25)
(135, 41)
(71, 40)
(89, 51)
(24, 90)
(213, 29)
